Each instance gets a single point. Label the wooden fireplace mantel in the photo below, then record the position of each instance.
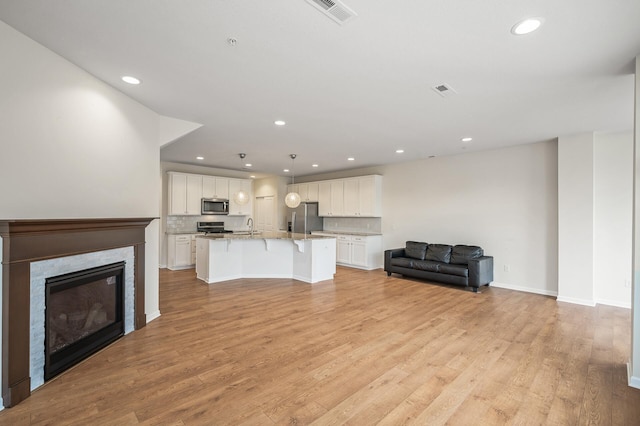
(30, 240)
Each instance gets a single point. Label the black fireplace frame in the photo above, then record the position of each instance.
(65, 358)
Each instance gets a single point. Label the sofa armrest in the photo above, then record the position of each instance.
(390, 254)
(480, 271)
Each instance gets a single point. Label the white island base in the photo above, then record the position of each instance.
(277, 255)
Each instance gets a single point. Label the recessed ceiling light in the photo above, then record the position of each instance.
(199, 158)
(467, 139)
(130, 80)
(252, 177)
(286, 170)
(279, 123)
(314, 165)
(526, 26)
(351, 159)
(248, 165)
(399, 151)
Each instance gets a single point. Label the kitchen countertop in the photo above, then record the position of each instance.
(184, 233)
(358, 234)
(271, 235)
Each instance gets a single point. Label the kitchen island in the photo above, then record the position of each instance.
(303, 257)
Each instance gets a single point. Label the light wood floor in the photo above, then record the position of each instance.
(362, 349)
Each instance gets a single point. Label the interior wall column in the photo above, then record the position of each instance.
(576, 219)
(634, 362)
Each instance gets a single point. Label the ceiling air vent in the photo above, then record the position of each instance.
(444, 90)
(336, 10)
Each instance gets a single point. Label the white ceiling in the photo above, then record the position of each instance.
(362, 89)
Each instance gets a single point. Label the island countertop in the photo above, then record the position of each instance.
(267, 235)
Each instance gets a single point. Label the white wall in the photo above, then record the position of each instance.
(72, 146)
(575, 219)
(612, 236)
(504, 200)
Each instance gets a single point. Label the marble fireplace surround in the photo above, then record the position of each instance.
(28, 241)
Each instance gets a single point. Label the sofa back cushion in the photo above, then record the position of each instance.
(438, 253)
(460, 255)
(415, 250)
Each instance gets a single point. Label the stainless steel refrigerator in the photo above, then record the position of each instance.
(305, 219)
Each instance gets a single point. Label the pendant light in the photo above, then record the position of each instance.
(241, 197)
(293, 198)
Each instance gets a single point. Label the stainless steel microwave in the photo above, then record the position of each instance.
(214, 206)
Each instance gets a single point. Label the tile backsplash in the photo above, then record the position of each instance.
(190, 223)
(177, 224)
(353, 224)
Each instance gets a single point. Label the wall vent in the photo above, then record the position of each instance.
(335, 10)
(444, 90)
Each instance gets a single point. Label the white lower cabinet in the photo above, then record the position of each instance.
(181, 251)
(358, 251)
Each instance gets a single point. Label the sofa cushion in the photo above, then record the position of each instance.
(403, 262)
(459, 270)
(439, 253)
(460, 254)
(415, 250)
(426, 265)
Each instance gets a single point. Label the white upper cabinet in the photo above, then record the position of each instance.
(330, 198)
(370, 196)
(177, 199)
(308, 191)
(194, 194)
(215, 187)
(185, 193)
(351, 197)
(324, 198)
(337, 198)
(312, 191)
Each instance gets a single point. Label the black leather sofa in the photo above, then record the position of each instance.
(461, 265)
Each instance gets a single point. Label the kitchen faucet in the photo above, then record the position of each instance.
(250, 224)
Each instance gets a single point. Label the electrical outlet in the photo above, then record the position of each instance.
(507, 268)
(627, 283)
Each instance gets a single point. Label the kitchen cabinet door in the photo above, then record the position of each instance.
(312, 191)
(370, 196)
(343, 250)
(337, 198)
(359, 251)
(183, 253)
(351, 197)
(177, 194)
(215, 187)
(324, 198)
(194, 194)
(179, 252)
(303, 191)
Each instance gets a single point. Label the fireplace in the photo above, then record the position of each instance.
(34, 250)
(83, 313)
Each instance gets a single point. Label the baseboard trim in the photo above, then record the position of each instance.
(525, 289)
(634, 382)
(152, 316)
(576, 301)
(617, 304)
